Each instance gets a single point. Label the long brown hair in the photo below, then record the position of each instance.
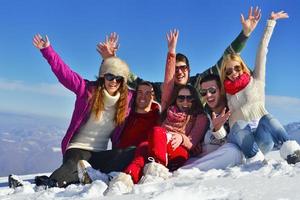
(121, 105)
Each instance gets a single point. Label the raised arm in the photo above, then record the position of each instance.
(64, 74)
(261, 55)
(238, 44)
(168, 84)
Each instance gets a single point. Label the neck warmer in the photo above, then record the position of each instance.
(233, 87)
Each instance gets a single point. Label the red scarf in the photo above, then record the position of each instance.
(233, 87)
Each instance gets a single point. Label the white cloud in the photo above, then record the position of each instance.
(41, 88)
(286, 109)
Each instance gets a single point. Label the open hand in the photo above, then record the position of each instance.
(172, 38)
(279, 15)
(109, 47)
(39, 42)
(251, 22)
(219, 121)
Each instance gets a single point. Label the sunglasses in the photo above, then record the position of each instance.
(183, 68)
(188, 98)
(236, 68)
(111, 77)
(211, 90)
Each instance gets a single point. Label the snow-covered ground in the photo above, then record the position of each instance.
(276, 180)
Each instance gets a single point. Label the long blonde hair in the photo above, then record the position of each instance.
(121, 105)
(232, 57)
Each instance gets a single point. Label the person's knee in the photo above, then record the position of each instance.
(265, 146)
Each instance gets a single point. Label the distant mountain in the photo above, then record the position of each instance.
(294, 130)
(30, 143)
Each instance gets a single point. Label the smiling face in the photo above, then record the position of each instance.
(233, 70)
(184, 100)
(112, 86)
(181, 73)
(144, 98)
(211, 94)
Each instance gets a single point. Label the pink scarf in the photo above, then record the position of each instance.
(233, 87)
(175, 121)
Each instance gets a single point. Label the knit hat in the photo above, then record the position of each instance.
(115, 66)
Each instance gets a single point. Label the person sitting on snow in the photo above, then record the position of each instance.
(217, 153)
(253, 129)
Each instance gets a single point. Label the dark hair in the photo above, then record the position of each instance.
(212, 77)
(183, 58)
(147, 83)
(197, 107)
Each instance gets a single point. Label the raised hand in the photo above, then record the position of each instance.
(250, 23)
(279, 15)
(219, 121)
(39, 42)
(172, 38)
(109, 47)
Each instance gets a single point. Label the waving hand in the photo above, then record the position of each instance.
(251, 22)
(109, 47)
(39, 42)
(172, 38)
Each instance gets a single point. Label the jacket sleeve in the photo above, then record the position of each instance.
(261, 55)
(197, 133)
(236, 46)
(64, 74)
(168, 85)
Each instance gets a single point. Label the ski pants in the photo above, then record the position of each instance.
(105, 161)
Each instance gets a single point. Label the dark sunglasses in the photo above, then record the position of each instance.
(181, 98)
(236, 68)
(181, 67)
(212, 90)
(111, 77)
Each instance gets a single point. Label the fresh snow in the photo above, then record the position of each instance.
(276, 180)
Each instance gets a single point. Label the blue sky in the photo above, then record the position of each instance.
(75, 27)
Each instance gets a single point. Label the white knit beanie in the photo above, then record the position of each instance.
(115, 66)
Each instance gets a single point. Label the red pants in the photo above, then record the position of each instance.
(162, 152)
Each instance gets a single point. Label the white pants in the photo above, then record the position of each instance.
(227, 155)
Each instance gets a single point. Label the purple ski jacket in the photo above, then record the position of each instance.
(83, 90)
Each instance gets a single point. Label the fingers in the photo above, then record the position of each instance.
(213, 115)
(279, 15)
(257, 13)
(39, 43)
(242, 19)
(250, 12)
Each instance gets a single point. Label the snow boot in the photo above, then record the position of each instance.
(154, 172)
(45, 181)
(87, 174)
(259, 158)
(14, 181)
(290, 151)
(293, 158)
(120, 184)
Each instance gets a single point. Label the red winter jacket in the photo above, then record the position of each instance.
(137, 127)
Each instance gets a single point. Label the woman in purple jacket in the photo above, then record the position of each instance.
(100, 107)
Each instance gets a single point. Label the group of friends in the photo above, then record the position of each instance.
(213, 120)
